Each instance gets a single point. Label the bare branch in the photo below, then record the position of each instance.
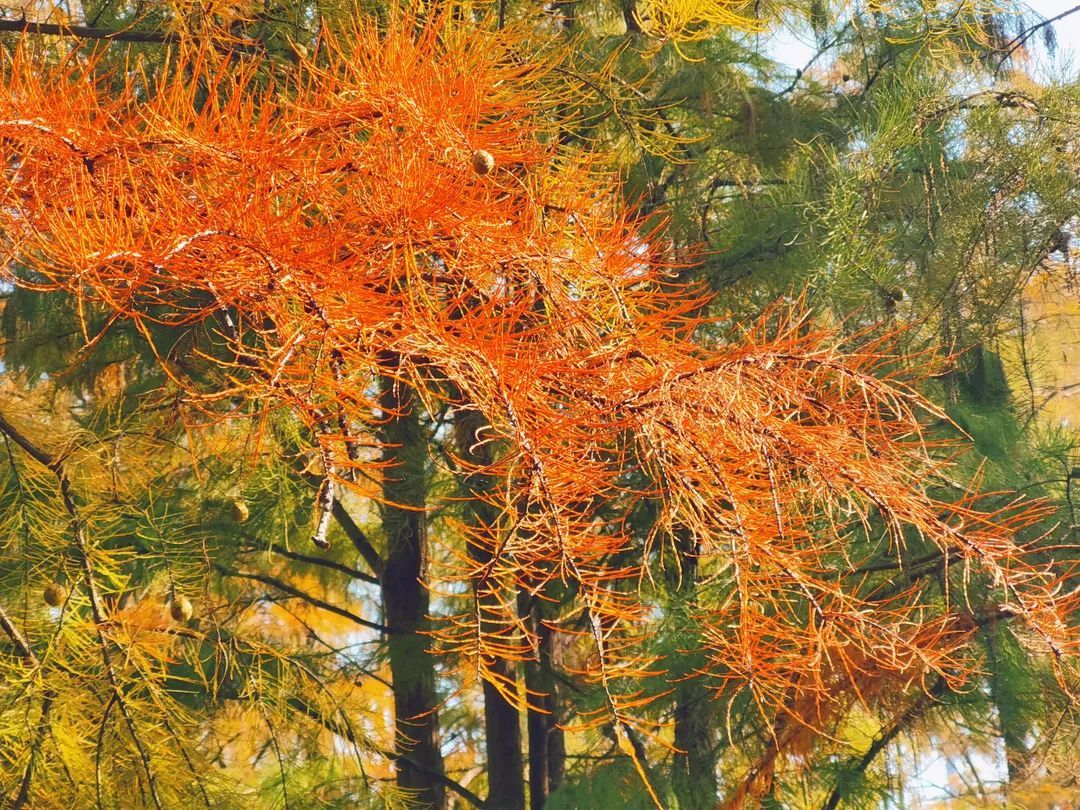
(309, 559)
(291, 590)
(87, 32)
(1028, 33)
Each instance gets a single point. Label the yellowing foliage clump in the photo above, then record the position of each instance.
(695, 20)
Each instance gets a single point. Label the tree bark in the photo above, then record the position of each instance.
(694, 774)
(505, 769)
(547, 744)
(1011, 726)
(695, 768)
(405, 600)
(87, 32)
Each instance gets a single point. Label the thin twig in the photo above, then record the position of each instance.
(291, 590)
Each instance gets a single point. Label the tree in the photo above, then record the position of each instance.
(397, 233)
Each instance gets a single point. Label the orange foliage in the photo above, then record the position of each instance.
(318, 238)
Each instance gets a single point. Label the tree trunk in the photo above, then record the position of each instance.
(505, 771)
(695, 769)
(547, 744)
(694, 774)
(1012, 726)
(405, 600)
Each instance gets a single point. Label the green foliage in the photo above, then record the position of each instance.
(606, 787)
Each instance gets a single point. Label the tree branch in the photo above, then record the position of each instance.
(1019, 41)
(25, 651)
(880, 743)
(799, 73)
(291, 590)
(22, 646)
(129, 35)
(352, 530)
(86, 32)
(359, 540)
(56, 466)
(308, 559)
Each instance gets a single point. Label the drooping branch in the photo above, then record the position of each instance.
(97, 611)
(309, 559)
(292, 590)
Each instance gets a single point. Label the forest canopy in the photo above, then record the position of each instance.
(568, 406)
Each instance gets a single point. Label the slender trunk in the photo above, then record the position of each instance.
(405, 600)
(505, 771)
(629, 14)
(695, 768)
(1012, 727)
(547, 744)
(694, 774)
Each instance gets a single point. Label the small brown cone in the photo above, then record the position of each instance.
(180, 609)
(54, 594)
(482, 162)
(240, 511)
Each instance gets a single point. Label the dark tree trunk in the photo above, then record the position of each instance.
(405, 600)
(629, 14)
(506, 785)
(695, 768)
(547, 744)
(694, 774)
(505, 771)
(1012, 726)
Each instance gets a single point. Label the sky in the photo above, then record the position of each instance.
(1068, 30)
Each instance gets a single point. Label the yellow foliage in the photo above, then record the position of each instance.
(694, 20)
(1043, 368)
(859, 730)
(946, 27)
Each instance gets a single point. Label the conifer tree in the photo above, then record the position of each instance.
(371, 283)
